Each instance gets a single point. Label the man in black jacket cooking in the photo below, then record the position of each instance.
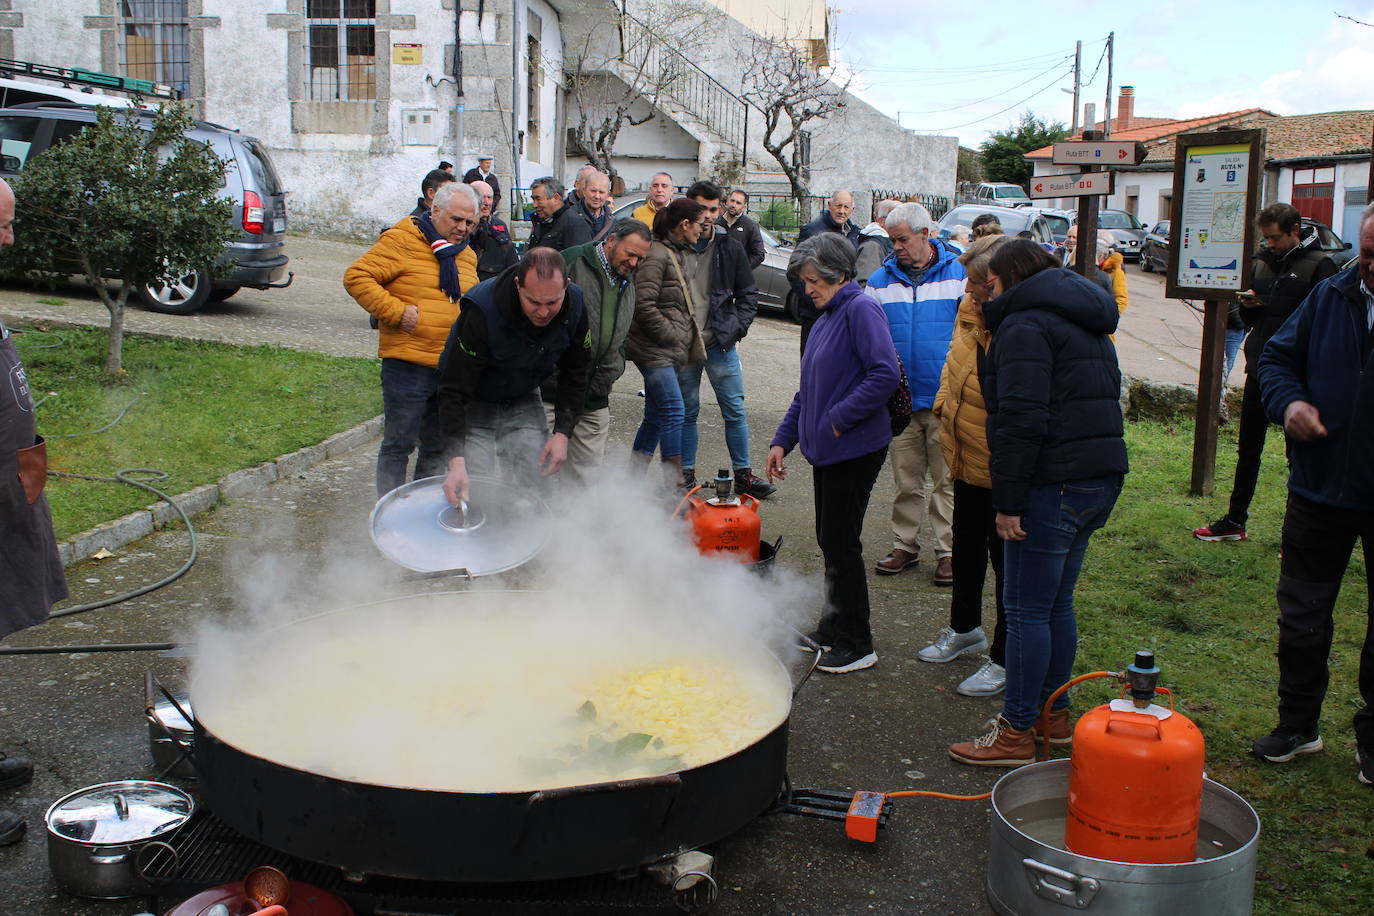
(512, 333)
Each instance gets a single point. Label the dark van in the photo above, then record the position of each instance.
(254, 256)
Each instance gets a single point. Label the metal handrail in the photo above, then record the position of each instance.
(696, 91)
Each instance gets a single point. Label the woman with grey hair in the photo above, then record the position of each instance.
(839, 418)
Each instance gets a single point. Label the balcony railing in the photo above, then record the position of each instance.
(661, 67)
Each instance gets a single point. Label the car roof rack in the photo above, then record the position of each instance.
(77, 76)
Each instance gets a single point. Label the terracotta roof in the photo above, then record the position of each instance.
(1310, 136)
(1149, 130)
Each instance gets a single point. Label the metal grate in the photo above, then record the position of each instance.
(341, 50)
(209, 853)
(155, 41)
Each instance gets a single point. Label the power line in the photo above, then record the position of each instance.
(1057, 78)
(972, 68)
(995, 95)
(1100, 59)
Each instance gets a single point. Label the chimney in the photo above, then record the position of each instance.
(1125, 108)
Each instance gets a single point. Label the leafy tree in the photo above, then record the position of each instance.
(129, 199)
(1004, 152)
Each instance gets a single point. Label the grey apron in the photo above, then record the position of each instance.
(31, 575)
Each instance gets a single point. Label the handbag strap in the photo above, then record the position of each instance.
(686, 287)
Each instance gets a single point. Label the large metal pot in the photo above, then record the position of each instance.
(367, 828)
(1031, 874)
(98, 836)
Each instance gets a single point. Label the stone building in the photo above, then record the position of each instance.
(357, 99)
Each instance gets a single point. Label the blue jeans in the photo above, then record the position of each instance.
(1039, 576)
(1234, 338)
(662, 425)
(727, 380)
(410, 403)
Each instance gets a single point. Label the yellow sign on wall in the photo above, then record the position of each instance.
(407, 54)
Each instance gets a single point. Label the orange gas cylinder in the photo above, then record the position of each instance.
(725, 526)
(1135, 780)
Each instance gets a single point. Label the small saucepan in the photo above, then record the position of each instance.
(99, 836)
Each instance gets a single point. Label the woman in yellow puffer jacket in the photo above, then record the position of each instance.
(1112, 267)
(964, 440)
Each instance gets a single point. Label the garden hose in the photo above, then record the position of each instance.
(123, 476)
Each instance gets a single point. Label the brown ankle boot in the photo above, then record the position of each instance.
(1057, 726)
(1003, 746)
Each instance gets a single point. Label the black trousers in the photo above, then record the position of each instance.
(807, 322)
(975, 543)
(1254, 425)
(842, 492)
(1317, 543)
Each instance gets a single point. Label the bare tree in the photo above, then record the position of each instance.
(790, 94)
(621, 70)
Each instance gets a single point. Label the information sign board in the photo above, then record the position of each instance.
(1211, 238)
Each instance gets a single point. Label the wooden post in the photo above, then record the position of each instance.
(1208, 398)
(1085, 254)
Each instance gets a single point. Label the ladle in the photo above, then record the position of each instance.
(268, 887)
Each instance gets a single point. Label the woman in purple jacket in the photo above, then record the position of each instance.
(839, 417)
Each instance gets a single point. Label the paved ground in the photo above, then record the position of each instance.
(80, 717)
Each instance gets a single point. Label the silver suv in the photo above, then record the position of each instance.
(254, 256)
(1001, 194)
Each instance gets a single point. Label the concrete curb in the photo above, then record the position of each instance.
(140, 524)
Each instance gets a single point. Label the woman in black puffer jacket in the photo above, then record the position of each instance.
(1057, 462)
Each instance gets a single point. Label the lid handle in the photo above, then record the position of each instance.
(121, 806)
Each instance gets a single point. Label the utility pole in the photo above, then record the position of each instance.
(1077, 83)
(1107, 112)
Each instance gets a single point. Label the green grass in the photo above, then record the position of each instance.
(200, 410)
(1208, 611)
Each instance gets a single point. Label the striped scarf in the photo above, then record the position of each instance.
(447, 254)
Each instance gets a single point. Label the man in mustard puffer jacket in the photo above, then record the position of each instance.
(411, 281)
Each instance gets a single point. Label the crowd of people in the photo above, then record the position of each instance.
(1013, 449)
(980, 367)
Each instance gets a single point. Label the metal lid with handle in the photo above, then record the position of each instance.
(117, 813)
(499, 528)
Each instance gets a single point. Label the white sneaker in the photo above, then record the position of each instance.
(949, 645)
(987, 681)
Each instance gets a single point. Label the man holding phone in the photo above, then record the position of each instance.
(1285, 270)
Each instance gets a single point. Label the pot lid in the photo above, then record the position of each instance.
(503, 527)
(119, 812)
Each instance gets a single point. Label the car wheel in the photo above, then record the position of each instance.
(224, 292)
(1145, 263)
(793, 307)
(180, 297)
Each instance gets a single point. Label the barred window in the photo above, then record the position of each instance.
(155, 41)
(341, 52)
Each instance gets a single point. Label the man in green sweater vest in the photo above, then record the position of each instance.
(603, 270)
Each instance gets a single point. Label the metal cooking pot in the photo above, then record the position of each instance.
(488, 836)
(1030, 873)
(169, 731)
(97, 836)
